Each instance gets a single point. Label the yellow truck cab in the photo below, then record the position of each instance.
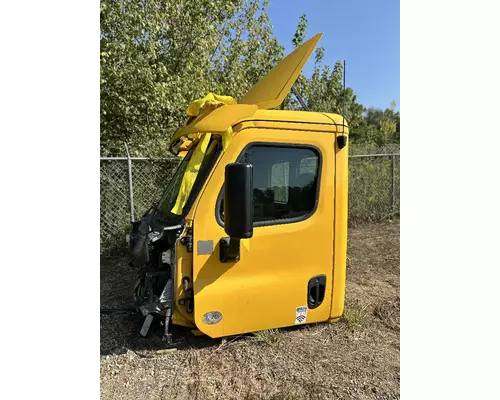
(251, 232)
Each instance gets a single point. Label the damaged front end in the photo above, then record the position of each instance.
(153, 252)
(153, 241)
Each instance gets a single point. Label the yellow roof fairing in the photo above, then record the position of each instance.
(272, 89)
(213, 121)
(266, 94)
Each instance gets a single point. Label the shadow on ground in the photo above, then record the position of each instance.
(120, 330)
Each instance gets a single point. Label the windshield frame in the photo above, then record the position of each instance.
(161, 209)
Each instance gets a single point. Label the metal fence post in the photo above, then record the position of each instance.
(130, 185)
(393, 192)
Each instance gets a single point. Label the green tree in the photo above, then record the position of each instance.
(246, 52)
(379, 126)
(389, 122)
(159, 55)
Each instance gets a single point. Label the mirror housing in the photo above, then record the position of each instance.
(238, 200)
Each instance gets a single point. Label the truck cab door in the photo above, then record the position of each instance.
(284, 273)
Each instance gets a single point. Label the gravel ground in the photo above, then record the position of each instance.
(356, 358)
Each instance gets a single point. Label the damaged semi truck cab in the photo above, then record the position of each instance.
(251, 232)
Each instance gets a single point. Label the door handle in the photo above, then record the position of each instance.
(316, 291)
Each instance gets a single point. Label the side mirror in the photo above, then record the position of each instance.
(238, 209)
(238, 200)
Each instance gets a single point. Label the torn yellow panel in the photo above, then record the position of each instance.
(191, 173)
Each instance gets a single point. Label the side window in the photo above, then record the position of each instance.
(285, 182)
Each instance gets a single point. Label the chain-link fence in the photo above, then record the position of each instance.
(129, 186)
(373, 187)
(128, 189)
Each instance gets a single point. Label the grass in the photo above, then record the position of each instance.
(356, 358)
(268, 336)
(356, 317)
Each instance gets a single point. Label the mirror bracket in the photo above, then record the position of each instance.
(229, 249)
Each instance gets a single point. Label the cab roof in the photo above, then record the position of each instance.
(298, 116)
(218, 121)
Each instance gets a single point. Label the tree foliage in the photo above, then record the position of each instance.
(159, 55)
(324, 92)
(378, 126)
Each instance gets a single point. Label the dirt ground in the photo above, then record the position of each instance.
(356, 358)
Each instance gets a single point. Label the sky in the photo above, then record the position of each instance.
(365, 33)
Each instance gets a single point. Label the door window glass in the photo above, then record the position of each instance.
(285, 182)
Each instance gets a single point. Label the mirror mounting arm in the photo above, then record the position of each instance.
(229, 249)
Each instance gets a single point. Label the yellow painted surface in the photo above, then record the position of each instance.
(211, 116)
(298, 116)
(271, 90)
(263, 289)
(184, 268)
(215, 121)
(191, 173)
(341, 203)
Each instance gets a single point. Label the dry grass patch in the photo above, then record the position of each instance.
(356, 317)
(356, 358)
(268, 336)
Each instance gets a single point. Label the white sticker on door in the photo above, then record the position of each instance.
(300, 315)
